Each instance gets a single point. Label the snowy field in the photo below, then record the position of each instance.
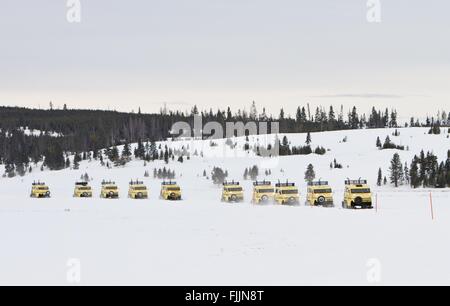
(201, 241)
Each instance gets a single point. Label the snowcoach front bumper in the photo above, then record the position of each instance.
(174, 197)
(328, 203)
(364, 205)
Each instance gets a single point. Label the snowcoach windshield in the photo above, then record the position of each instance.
(292, 191)
(325, 190)
(42, 188)
(140, 188)
(84, 188)
(111, 187)
(266, 190)
(173, 188)
(361, 190)
(234, 189)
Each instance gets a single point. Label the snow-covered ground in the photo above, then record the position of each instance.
(201, 241)
(28, 132)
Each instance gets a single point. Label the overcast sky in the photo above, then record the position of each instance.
(215, 53)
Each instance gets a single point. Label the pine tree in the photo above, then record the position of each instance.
(218, 176)
(20, 169)
(387, 143)
(401, 175)
(76, 161)
(126, 152)
(54, 156)
(393, 120)
(246, 174)
(353, 119)
(140, 150)
(254, 172)
(379, 145)
(281, 116)
(380, 177)
(441, 176)
(406, 175)
(113, 154)
(396, 170)
(153, 150)
(310, 175)
(331, 119)
(432, 170)
(166, 156)
(253, 112)
(308, 138)
(298, 115)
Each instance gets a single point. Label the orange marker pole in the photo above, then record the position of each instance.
(431, 206)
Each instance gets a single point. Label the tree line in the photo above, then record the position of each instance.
(425, 170)
(87, 132)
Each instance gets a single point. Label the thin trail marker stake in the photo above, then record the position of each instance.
(431, 206)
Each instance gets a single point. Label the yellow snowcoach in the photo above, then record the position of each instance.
(286, 193)
(319, 194)
(109, 190)
(170, 191)
(263, 192)
(232, 192)
(357, 194)
(39, 190)
(82, 190)
(137, 190)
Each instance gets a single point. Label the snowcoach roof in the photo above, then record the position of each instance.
(136, 182)
(232, 183)
(356, 182)
(287, 184)
(318, 183)
(170, 183)
(38, 183)
(108, 183)
(262, 183)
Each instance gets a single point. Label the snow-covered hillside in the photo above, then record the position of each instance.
(203, 241)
